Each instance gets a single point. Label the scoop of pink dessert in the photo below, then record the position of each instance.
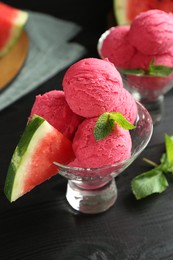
(116, 47)
(53, 107)
(91, 86)
(126, 105)
(115, 148)
(151, 32)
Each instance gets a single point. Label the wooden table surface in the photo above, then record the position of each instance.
(41, 224)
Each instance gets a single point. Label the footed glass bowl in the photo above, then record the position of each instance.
(149, 90)
(93, 190)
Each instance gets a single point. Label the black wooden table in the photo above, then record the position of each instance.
(41, 225)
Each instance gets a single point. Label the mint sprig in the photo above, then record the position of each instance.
(153, 70)
(169, 152)
(133, 71)
(147, 183)
(159, 70)
(106, 123)
(154, 181)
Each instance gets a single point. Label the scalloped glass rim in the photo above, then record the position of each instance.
(114, 169)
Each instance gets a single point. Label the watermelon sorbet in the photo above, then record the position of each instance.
(53, 107)
(150, 35)
(151, 32)
(91, 87)
(115, 148)
(115, 46)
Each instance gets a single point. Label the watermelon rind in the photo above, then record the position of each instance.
(18, 27)
(120, 7)
(36, 129)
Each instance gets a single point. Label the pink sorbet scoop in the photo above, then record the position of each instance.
(115, 148)
(116, 47)
(91, 86)
(53, 107)
(151, 32)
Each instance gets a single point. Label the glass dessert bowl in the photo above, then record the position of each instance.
(149, 90)
(93, 190)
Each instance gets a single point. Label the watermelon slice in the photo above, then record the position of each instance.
(32, 162)
(126, 10)
(12, 22)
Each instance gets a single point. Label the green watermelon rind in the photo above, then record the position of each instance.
(15, 33)
(120, 7)
(20, 151)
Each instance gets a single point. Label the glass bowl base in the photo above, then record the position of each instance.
(91, 201)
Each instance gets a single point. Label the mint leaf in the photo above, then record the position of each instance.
(132, 71)
(167, 158)
(154, 180)
(151, 64)
(106, 123)
(165, 165)
(149, 182)
(169, 151)
(121, 120)
(103, 126)
(160, 70)
(153, 70)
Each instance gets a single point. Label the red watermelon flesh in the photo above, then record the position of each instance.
(12, 21)
(135, 7)
(54, 147)
(127, 10)
(33, 160)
